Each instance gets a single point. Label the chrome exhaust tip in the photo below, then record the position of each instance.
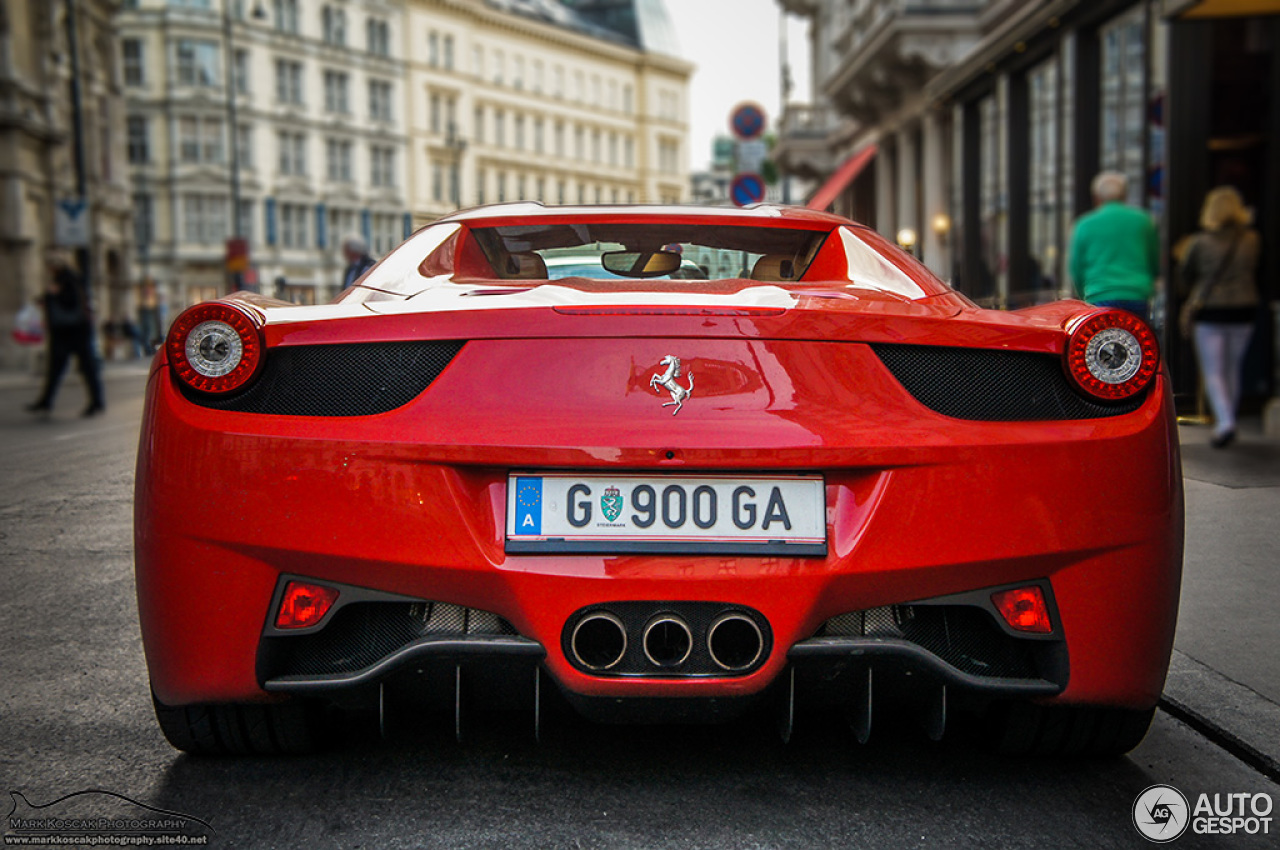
(599, 641)
(667, 641)
(734, 642)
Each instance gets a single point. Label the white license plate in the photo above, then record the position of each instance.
(696, 514)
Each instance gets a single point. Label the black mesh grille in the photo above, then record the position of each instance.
(964, 636)
(364, 632)
(993, 386)
(358, 379)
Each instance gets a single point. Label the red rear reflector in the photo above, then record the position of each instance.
(1024, 609)
(303, 605)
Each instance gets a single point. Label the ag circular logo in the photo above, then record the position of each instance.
(1161, 813)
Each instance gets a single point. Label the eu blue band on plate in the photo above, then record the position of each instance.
(528, 506)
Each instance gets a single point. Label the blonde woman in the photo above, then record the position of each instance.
(1222, 304)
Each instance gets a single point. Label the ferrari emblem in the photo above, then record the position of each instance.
(611, 504)
(667, 381)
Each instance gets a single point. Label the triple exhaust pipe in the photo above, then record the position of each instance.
(599, 642)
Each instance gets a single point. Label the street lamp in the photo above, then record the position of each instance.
(233, 128)
(907, 240)
(456, 146)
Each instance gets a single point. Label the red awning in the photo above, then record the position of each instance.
(845, 174)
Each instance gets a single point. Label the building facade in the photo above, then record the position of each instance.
(977, 128)
(60, 178)
(260, 134)
(579, 102)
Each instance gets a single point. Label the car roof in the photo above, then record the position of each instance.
(755, 214)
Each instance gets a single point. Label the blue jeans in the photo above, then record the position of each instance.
(1137, 308)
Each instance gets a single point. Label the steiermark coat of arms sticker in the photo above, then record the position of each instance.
(611, 504)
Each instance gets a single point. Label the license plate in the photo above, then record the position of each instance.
(703, 514)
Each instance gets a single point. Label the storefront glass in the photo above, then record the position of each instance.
(1124, 107)
(1045, 207)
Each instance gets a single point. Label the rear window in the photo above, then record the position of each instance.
(690, 251)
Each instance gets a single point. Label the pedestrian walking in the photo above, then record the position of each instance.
(356, 252)
(1218, 275)
(1115, 250)
(69, 318)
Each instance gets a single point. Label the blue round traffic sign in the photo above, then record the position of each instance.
(747, 189)
(747, 121)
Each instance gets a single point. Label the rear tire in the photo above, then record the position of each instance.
(1027, 729)
(288, 728)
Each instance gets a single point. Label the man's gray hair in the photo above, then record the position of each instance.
(355, 244)
(1110, 186)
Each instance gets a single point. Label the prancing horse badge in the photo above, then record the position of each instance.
(667, 381)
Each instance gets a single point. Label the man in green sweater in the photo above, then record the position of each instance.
(1115, 250)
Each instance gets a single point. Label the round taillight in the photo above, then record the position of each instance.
(214, 348)
(1112, 355)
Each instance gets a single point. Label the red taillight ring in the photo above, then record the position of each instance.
(1111, 354)
(214, 348)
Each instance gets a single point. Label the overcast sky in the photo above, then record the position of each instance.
(735, 46)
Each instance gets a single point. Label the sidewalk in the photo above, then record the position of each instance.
(14, 378)
(1225, 675)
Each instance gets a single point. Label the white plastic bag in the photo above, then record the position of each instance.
(28, 326)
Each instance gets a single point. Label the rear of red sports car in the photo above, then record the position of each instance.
(753, 456)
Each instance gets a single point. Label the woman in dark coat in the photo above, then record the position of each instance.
(70, 324)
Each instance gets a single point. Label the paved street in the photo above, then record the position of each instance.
(75, 713)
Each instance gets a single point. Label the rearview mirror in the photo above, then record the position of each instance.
(640, 263)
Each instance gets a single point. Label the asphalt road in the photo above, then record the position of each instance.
(75, 714)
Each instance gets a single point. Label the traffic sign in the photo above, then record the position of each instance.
(747, 189)
(751, 156)
(71, 223)
(747, 121)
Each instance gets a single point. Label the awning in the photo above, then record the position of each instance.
(843, 176)
(1222, 8)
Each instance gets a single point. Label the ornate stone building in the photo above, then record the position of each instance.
(47, 161)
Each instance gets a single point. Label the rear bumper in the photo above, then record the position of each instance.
(228, 503)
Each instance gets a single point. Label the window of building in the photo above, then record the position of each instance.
(628, 95)
(557, 81)
(433, 49)
(1123, 112)
(433, 112)
(333, 26)
(559, 140)
(538, 140)
(144, 220)
(132, 59)
(386, 232)
(613, 148)
(477, 61)
(382, 161)
(577, 87)
(293, 153)
(612, 102)
(447, 44)
(138, 133)
(582, 193)
(579, 142)
(295, 225)
(341, 224)
(992, 203)
(380, 100)
(286, 16)
(289, 81)
(502, 186)
(338, 158)
(499, 128)
(519, 132)
(517, 73)
(240, 70)
(1045, 201)
(538, 69)
(595, 146)
(541, 191)
(437, 181)
(629, 152)
(336, 86)
(595, 90)
(245, 224)
(477, 125)
(480, 181)
(561, 192)
(244, 145)
(198, 62)
(521, 185)
(205, 219)
(378, 36)
(200, 139)
(499, 67)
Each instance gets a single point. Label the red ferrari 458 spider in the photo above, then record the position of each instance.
(671, 462)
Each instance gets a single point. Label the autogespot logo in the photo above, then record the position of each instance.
(1160, 813)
